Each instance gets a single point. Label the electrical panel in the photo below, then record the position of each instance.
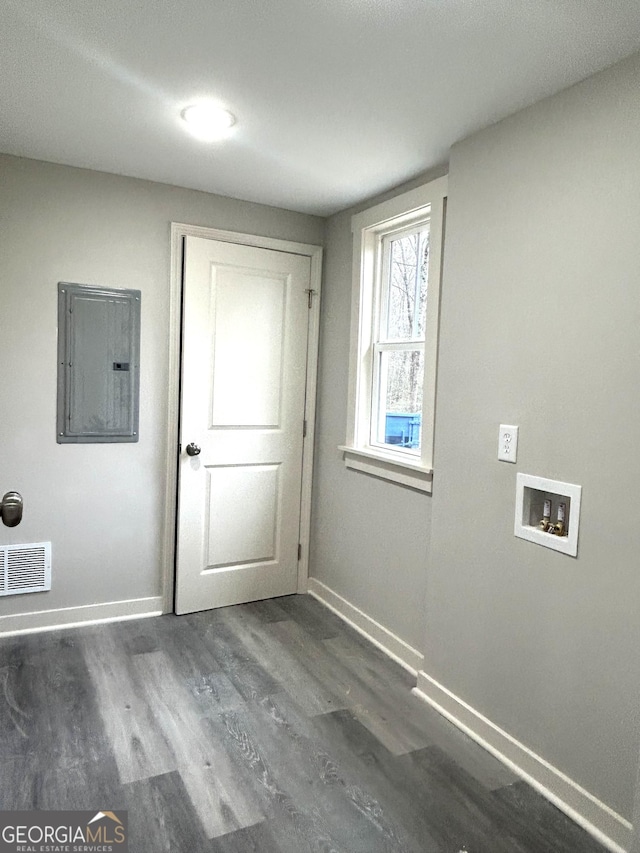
(98, 364)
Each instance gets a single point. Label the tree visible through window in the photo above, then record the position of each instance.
(396, 416)
(397, 260)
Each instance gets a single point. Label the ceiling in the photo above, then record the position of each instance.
(336, 100)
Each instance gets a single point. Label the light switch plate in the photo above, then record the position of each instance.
(508, 443)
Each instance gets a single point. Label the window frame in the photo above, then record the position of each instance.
(381, 342)
(369, 228)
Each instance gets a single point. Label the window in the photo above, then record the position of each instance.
(396, 289)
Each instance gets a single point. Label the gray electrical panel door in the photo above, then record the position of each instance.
(98, 363)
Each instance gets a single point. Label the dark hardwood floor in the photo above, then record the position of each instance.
(270, 727)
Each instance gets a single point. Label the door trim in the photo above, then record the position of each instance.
(178, 232)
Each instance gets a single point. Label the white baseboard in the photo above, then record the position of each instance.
(70, 617)
(606, 825)
(600, 821)
(397, 649)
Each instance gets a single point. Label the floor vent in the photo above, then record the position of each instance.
(25, 568)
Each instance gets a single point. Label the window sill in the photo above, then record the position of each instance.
(388, 467)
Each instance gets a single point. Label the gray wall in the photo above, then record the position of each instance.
(540, 327)
(369, 536)
(101, 506)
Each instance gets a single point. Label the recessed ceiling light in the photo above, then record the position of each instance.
(208, 121)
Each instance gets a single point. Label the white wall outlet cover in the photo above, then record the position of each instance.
(508, 443)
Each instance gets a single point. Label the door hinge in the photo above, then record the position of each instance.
(304, 429)
(310, 292)
(299, 551)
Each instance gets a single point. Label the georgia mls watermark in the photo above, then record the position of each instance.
(64, 832)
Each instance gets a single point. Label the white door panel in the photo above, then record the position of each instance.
(247, 346)
(243, 397)
(243, 514)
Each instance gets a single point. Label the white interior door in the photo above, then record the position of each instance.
(244, 364)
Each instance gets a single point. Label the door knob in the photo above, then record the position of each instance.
(11, 509)
(193, 449)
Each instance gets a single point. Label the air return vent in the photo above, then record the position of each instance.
(25, 568)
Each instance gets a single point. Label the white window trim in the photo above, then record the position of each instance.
(406, 468)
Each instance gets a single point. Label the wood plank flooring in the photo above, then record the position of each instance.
(270, 727)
